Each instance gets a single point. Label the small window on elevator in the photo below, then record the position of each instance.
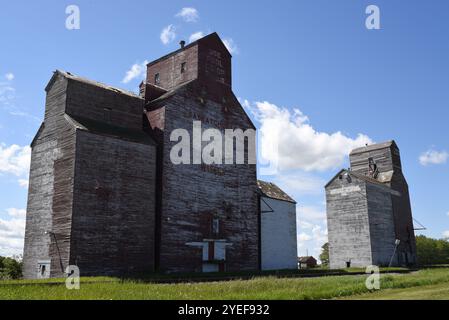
(183, 67)
(215, 226)
(373, 170)
(157, 79)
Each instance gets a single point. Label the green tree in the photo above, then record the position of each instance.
(432, 251)
(324, 256)
(10, 268)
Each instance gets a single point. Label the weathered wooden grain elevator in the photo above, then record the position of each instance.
(368, 211)
(208, 211)
(104, 194)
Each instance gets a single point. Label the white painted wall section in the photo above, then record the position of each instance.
(278, 234)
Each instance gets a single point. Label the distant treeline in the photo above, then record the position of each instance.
(10, 268)
(432, 251)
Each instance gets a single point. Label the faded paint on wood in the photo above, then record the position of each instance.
(68, 168)
(384, 201)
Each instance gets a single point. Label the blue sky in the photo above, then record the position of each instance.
(315, 57)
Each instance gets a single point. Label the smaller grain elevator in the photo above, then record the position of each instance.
(368, 211)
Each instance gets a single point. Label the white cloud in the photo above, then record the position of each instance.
(168, 34)
(23, 183)
(9, 76)
(188, 14)
(15, 159)
(446, 234)
(302, 237)
(295, 183)
(311, 230)
(18, 213)
(304, 225)
(195, 36)
(433, 157)
(311, 238)
(7, 93)
(7, 97)
(311, 213)
(448, 214)
(319, 234)
(231, 46)
(137, 70)
(289, 139)
(12, 232)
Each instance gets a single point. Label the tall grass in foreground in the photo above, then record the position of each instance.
(259, 288)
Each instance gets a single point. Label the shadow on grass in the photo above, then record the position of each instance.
(246, 275)
(170, 278)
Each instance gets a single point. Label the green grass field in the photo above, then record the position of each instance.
(423, 284)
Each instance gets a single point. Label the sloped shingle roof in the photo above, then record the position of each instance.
(271, 190)
(71, 76)
(305, 259)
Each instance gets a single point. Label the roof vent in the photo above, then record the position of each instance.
(182, 43)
